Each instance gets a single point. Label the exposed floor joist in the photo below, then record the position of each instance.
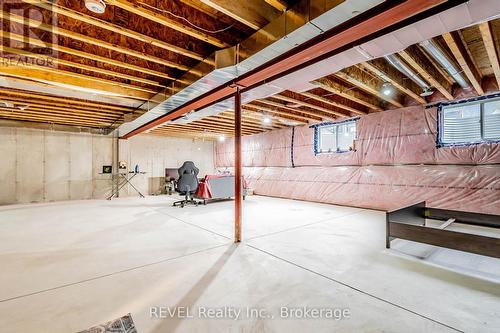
(491, 49)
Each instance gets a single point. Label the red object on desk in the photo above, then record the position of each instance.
(203, 190)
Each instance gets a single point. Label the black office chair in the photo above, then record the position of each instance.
(187, 184)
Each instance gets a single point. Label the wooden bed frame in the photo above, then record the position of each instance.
(409, 223)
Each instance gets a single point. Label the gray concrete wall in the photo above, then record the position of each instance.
(42, 165)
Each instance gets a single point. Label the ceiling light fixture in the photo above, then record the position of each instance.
(387, 89)
(222, 138)
(95, 6)
(267, 120)
(427, 92)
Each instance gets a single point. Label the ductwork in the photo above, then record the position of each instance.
(304, 21)
(285, 36)
(437, 54)
(403, 68)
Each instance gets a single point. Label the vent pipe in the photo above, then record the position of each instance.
(403, 68)
(437, 54)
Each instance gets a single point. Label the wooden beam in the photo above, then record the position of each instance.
(67, 114)
(183, 134)
(51, 118)
(332, 103)
(101, 83)
(364, 81)
(246, 121)
(280, 5)
(56, 106)
(163, 20)
(282, 116)
(55, 47)
(212, 126)
(65, 101)
(348, 93)
(330, 114)
(491, 49)
(253, 13)
(50, 75)
(69, 110)
(45, 4)
(206, 122)
(287, 113)
(386, 71)
(92, 41)
(216, 120)
(187, 128)
(458, 48)
(63, 62)
(416, 59)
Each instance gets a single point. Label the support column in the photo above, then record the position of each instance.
(237, 167)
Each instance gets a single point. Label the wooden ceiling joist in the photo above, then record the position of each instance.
(65, 101)
(204, 127)
(491, 49)
(250, 120)
(416, 59)
(183, 134)
(253, 13)
(330, 114)
(332, 103)
(163, 20)
(222, 121)
(295, 115)
(67, 114)
(371, 84)
(77, 53)
(383, 69)
(458, 48)
(278, 115)
(46, 4)
(50, 108)
(91, 41)
(280, 5)
(70, 79)
(58, 61)
(227, 125)
(348, 93)
(7, 114)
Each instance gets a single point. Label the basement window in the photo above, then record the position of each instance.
(470, 122)
(334, 137)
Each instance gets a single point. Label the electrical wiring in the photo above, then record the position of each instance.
(186, 20)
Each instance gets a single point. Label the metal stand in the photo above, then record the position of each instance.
(126, 178)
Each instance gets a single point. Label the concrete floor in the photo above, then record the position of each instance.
(68, 266)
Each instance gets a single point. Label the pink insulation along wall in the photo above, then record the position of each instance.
(396, 163)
